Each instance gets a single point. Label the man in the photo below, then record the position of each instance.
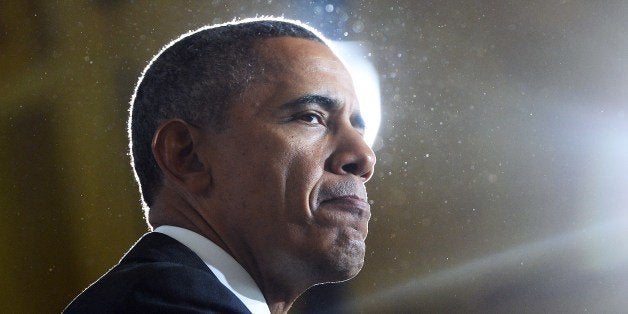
(247, 142)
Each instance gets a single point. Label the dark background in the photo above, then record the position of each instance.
(502, 175)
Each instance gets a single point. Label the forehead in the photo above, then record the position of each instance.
(294, 66)
(285, 53)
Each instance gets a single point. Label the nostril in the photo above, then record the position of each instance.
(350, 168)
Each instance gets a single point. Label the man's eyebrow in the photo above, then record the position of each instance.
(326, 102)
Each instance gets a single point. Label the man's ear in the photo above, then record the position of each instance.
(177, 148)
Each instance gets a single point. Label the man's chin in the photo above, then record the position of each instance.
(345, 263)
(344, 273)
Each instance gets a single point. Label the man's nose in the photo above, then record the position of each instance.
(352, 155)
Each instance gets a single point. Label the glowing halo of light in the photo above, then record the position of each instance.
(365, 82)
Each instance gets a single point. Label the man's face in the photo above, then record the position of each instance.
(288, 172)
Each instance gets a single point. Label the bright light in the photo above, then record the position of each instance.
(366, 83)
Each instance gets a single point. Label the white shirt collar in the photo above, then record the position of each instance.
(228, 271)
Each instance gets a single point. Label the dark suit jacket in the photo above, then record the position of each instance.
(158, 275)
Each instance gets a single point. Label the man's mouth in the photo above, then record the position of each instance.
(350, 203)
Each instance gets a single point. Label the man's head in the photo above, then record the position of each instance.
(278, 181)
(196, 78)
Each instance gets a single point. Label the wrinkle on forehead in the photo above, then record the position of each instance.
(310, 65)
(317, 56)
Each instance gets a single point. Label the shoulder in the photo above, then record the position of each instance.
(155, 287)
(141, 285)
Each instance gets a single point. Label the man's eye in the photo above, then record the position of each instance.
(312, 118)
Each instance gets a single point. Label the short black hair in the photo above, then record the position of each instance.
(195, 78)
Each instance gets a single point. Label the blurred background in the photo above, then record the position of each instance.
(502, 175)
